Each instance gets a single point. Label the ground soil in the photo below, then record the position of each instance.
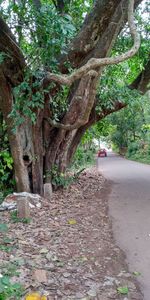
(67, 251)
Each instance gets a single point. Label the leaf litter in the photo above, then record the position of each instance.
(67, 251)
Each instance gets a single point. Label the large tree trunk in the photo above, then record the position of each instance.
(21, 173)
(37, 148)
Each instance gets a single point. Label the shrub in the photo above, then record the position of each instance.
(133, 148)
(6, 172)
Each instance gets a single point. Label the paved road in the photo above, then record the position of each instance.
(129, 205)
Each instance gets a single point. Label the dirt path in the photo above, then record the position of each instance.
(130, 208)
(68, 251)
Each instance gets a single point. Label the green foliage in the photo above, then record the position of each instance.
(3, 227)
(116, 78)
(6, 163)
(85, 153)
(123, 290)
(43, 36)
(141, 155)
(9, 290)
(133, 148)
(101, 128)
(53, 31)
(10, 269)
(1, 197)
(2, 57)
(59, 180)
(59, 104)
(83, 157)
(146, 127)
(6, 248)
(16, 219)
(6, 244)
(44, 33)
(28, 96)
(136, 273)
(131, 129)
(112, 89)
(6, 166)
(78, 11)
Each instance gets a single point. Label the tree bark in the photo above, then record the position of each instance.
(37, 159)
(21, 173)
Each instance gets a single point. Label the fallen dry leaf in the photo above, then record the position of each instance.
(40, 275)
(72, 222)
(35, 296)
(71, 241)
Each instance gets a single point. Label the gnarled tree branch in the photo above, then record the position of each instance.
(94, 63)
(88, 100)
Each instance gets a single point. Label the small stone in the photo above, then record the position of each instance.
(23, 242)
(108, 258)
(60, 264)
(51, 256)
(92, 293)
(54, 258)
(44, 250)
(66, 274)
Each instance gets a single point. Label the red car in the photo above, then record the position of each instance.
(102, 153)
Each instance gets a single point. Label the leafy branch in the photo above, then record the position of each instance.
(94, 63)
